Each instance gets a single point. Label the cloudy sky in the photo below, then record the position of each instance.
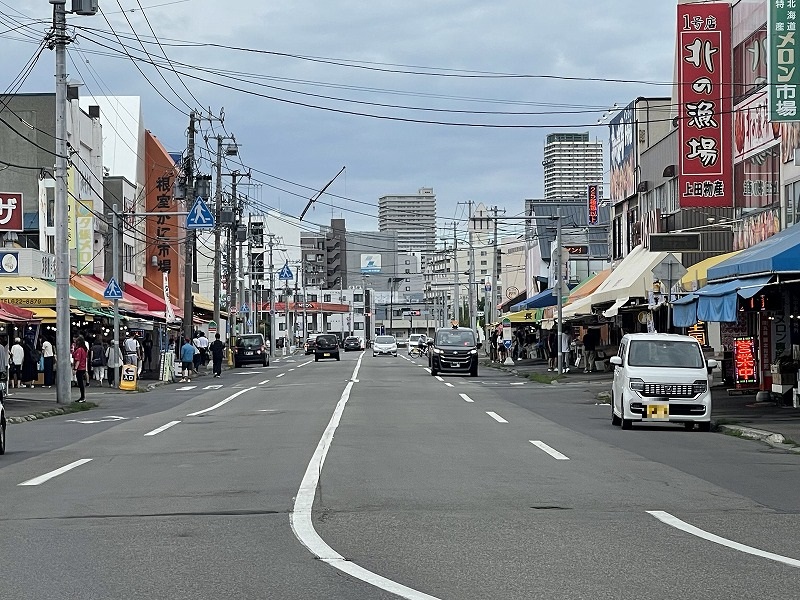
(404, 94)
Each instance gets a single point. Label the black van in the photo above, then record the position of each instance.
(454, 350)
(250, 349)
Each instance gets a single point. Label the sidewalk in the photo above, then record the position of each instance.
(740, 413)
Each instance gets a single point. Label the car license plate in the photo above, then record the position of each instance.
(327, 354)
(657, 412)
(248, 353)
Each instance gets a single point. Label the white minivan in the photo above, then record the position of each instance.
(661, 378)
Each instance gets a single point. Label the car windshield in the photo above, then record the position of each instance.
(351, 339)
(249, 342)
(384, 339)
(455, 338)
(665, 353)
(327, 339)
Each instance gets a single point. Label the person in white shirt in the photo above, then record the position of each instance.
(202, 345)
(565, 349)
(48, 359)
(15, 365)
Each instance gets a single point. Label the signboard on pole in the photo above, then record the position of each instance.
(783, 74)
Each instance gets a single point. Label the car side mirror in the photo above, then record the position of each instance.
(712, 363)
(616, 361)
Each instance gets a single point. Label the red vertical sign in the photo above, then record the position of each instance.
(765, 350)
(705, 104)
(593, 205)
(744, 362)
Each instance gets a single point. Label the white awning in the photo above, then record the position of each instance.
(614, 309)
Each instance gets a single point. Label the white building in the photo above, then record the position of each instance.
(571, 162)
(413, 217)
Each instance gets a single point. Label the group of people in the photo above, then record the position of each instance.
(19, 363)
(195, 353)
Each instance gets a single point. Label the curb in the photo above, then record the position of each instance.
(53, 412)
(776, 440)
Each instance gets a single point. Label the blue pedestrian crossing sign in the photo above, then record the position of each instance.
(199, 216)
(507, 343)
(285, 274)
(113, 291)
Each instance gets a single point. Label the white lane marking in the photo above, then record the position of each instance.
(263, 382)
(448, 384)
(222, 403)
(292, 369)
(466, 398)
(496, 417)
(158, 430)
(186, 388)
(213, 387)
(518, 383)
(551, 451)
(303, 526)
(280, 374)
(439, 377)
(305, 363)
(108, 419)
(675, 522)
(48, 476)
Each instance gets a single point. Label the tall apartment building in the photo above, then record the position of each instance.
(571, 162)
(413, 217)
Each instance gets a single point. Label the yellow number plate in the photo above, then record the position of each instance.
(657, 411)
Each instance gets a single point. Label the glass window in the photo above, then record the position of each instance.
(127, 258)
(358, 297)
(358, 326)
(326, 298)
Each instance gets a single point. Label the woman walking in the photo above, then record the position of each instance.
(30, 365)
(98, 358)
(80, 358)
(114, 363)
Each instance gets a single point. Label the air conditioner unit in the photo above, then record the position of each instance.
(85, 8)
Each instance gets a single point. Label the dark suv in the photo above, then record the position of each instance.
(250, 349)
(454, 350)
(327, 346)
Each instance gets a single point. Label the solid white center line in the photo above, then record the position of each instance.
(305, 363)
(551, 451)
(47, 476)
(280, 374)
(466, 398)
(517, 383)
(675, 522)
(222, 403)
(162, 428)
(496, 417)
(448, 384)
(263, 382)
(440, 378)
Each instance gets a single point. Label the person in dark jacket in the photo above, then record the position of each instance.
(552, 348)
(30, 365)
(217, 352)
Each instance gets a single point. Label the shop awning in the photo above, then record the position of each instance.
(613, 310)
(525, 316)
(540, 300)
(716, 302)
(46, 315)
(203, 303)
(697, 275)
(95, 287)
(154, 302)
(777, 254)
(31, 292)
(17, 312)
(588, 285)
(579, 308)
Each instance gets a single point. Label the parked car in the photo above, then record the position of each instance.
(454, 350)
(414, 340)
(326, 346)
(311, 342)
(384, 345)
(662, 378)
(250, 349)
(352, 343)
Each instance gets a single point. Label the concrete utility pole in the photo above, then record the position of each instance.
(490, 306)
(471, 273)
(218, 237)
(559, 289)
(115, 271)
(271, 243)
(188, 276)
(63, 375)
(456, 295)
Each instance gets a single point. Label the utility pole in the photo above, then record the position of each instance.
(218, 236)
(456, 295)
(63, 375)
(305, 300)
(490, 306)
(471, 273)
(559, 291)
(271, 297)
(188, 277)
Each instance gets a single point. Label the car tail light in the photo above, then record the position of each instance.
(637, 385)
(700, 386)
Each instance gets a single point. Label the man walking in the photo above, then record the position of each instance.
(217, 352)
(589, 350)
(202, 344)
(187, 359)
(15, 365)
(49, 359)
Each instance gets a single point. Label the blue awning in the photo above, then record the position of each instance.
(777, 254)
(716, 301)
(540, 300)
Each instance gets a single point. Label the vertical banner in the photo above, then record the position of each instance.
(783, 73)
(84, 237)
(705, 105)
(623, 154)
(71, 208)
(592, 205)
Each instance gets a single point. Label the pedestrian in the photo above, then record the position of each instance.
(217, 352)
(132, 351)
(48, 362)
(4, 360)
(203, 344)
(30, 365)
(147, 350)
(17, 355)
(551, 348)
(113, 363)
(98, 358)
(80, 360)
(589, 350)
(493, 345)
(565, 348)
(188, 352)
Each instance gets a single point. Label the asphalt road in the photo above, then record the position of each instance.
(421, 487)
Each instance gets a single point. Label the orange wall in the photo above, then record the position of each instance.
(165, 234)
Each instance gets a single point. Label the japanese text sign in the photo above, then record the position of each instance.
(593, 205)
(623, 154)
(784, 76)
(10, 212)
(744, 361)
(705, 104)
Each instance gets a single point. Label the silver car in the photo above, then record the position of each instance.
(384, 345)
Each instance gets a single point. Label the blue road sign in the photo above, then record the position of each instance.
(244, 308)
(285, 274)
(199, 217)
(507, 343)
(113, 291)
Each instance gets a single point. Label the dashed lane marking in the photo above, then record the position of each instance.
(496, 417)
(280, 374)
(551, 451)
(158, 430)
(48, 476)
(263, 382)
(466, 398)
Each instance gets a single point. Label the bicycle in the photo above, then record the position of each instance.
(416, 351)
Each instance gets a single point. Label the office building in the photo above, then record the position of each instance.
(413, 217)
(571, 162)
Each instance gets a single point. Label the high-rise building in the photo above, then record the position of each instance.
(571, 162)
(413, 217)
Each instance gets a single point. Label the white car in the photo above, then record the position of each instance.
(661, 378)
(414, 339)
(384, 345)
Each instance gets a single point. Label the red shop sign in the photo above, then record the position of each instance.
(11, 212)
(744, 362)
(705, 103)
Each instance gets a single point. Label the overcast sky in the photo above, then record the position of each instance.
(440, 55)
